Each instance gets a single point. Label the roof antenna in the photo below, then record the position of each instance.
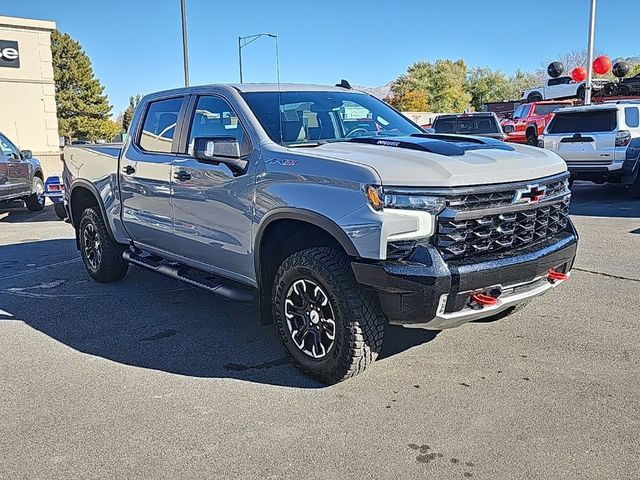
(344, 84)
(279, 90)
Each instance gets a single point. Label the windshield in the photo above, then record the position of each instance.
(547, 109)
(466, 125)
(312, 118)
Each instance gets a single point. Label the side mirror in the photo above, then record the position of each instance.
(26, 154)
(220, 150)
(508, 129)
(508, 116)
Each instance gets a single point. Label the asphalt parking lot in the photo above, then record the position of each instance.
(148, 378)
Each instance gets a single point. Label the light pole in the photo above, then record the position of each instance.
(592, 32)
(185, 50)
(244, 41)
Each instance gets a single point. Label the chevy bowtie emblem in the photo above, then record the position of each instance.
(530, 194)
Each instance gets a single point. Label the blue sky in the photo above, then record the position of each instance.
(135, 45)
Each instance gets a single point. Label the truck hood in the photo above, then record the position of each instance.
(399, 166)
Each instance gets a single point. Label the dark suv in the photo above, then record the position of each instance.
(483, 124)
(21, 176)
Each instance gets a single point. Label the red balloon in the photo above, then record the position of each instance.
(602, 65)
(579, 74)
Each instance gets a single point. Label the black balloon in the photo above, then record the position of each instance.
(620, 69)
(555, 69)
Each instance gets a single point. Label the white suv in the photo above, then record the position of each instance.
(600, 143)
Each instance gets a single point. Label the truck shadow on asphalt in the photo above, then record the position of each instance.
(609, 200)
(12, 213)
(150, 321)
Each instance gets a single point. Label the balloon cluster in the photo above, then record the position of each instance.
(601, 66)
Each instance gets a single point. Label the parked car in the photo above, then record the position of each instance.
(529, 120)
(256, 192)
(626, 86)
(21, 176)
(54, 191)
(600, 143)
(484, 124)
(561, 87)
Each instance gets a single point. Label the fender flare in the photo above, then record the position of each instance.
(303, 215)
(94, 191)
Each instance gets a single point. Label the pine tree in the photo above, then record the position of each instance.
(83, 108)
(127, 115)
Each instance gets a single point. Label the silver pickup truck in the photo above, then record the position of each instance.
(330, 209)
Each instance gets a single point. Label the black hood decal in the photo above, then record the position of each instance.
(449, 145)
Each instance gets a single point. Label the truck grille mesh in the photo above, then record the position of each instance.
(501, 230)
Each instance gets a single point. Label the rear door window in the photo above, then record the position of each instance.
(632, 117)
(159, 125)
(470, 125)
(584, 122)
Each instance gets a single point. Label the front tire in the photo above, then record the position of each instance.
(534, 97)
(532, 138)
(35, 202)
(329, 325)
(60, 211)
(581, 93)
(101, 255)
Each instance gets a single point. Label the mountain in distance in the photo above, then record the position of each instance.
(381, 92)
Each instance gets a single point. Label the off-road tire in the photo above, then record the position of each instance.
(359, 323)
(534, 97)
(60, 211)
(35, 201)
(581, 93)
(111, 267)
(532, 139)
(623, 90)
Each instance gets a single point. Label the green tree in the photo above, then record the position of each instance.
(83, 109)
(410, 101)
(127, 115)
(521, 81)
(442, 82)
(486, 85)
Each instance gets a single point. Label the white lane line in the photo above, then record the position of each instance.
(44, 267)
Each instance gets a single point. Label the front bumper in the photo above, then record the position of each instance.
(425, 291)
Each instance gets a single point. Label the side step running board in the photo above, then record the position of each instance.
(192, 276)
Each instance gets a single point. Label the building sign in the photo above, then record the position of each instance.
(9, 55)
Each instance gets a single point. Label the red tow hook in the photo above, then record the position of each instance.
(483, 299)
(555, 276)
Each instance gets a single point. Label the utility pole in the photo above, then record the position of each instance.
(185, 49)
(592, 33)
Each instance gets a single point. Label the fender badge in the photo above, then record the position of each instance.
(285, 162)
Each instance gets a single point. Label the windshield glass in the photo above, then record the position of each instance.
(466, 125)
(547, 109)
(312, 118)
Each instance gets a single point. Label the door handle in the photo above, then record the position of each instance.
(129, 170)
(182, 175)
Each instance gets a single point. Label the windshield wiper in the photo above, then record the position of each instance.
(306, 144)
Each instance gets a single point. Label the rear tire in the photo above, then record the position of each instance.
(101, 255)
(581, 93)
(623, 90)
(329, 325)
(35, 202)
(60, 211)
(532, 138)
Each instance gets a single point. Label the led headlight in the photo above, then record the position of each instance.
(425, 203)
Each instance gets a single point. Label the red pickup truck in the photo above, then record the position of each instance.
(529, 120)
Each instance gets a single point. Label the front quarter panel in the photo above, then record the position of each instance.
(290, 180)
